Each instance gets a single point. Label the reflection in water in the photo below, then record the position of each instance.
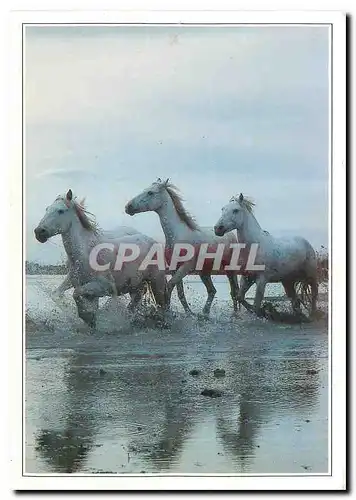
(168, 416)
(173, 431)
(238, 437)
(141, 394)
(238, 433)
(266, 388)
(66, 450)
(149, 404)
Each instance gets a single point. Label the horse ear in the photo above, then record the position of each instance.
(166, 181)
(69, 195)
(241, 197)
(159, 180)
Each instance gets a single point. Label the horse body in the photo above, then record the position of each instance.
(180, 227)
(208, 265)
(80, 235)
(286, 260)
(107, 235)
(133, 277)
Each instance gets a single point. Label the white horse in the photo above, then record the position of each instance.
(180, 227)
(286, 260)
(80, 234)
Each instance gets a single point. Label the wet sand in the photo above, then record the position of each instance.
(123, 400)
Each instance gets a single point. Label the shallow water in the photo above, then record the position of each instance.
(122, 400)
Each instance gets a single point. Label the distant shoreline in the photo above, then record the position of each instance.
(193, 279)
(39, 269)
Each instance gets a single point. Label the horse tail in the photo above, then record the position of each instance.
(311, 260)
(304, 291)
(158, 290)
(148, 294)
(311, 287)
(322, 269)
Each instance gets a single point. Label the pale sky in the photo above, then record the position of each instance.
(217, 110)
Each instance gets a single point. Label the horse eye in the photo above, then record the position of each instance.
(60, 211)
(235, 210)
(150, 193)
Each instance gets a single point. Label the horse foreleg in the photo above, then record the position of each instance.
(108, 284)
(234, 288)
(63, 287)
(260, 292)
(158, 284)
(87, 298)
(245, 284)
(182, 298)
(86, 307)
(177, 277)
(210, 288)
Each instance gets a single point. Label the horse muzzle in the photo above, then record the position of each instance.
(41, 234)
(219, 230)
(129, 209)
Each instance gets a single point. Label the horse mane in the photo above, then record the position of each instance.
(177, 200)
(246, 202)
(87, 219)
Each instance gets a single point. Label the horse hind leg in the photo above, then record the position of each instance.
(158, 285)
(245, 284)
(289, 287)
(182, 297)
(234, 289)
(260, 293)
(210, 288)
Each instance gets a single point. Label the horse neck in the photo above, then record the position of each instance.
(173, 227)
(251, 231)
(77, 241)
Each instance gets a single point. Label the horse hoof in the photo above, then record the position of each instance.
(89, 319)
(85, 329)
(318, 314)
(203, 316)
(162, 324)
(56, 296)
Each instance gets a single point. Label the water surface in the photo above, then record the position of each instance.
(122, 400)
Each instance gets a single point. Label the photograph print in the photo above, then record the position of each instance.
(177, 238)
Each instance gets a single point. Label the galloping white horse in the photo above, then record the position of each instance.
(80, 234)
(286, 260)
(180, 227)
